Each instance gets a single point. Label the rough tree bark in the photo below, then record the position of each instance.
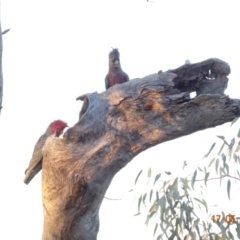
(1, 76)
(117, 125)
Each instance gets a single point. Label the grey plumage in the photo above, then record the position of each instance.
(35, 164)
(115, 73)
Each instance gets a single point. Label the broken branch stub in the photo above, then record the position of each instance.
(207, 77)
(114, 127)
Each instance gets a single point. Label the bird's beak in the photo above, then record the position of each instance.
(58, 133)
(116, 63)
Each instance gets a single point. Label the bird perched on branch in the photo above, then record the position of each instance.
(35, 165)
(115, 73)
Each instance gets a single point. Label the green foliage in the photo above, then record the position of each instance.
(175, 203)
(194, 179)
(138, 176)
(228, 188)
(156, 178)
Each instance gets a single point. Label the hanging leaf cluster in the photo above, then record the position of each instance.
(172, 203)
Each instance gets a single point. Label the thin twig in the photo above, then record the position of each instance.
(104, 196)
(5, 31)
(217, 178)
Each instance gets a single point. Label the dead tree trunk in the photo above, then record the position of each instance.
(1, 75)
(117, 125)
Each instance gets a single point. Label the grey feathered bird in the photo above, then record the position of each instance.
(115, 73)
(35, 164)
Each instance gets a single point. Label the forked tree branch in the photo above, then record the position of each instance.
(117, 125)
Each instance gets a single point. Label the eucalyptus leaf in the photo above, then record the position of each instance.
(139, 203)
(209, 165)
(153, 208)
(144, 198)
(211, 148)
(150, 196)
(198, 231)
(223, 157)
(238, 146)
(157, 177)
(149, 173)
(223, 138)
(155, 229)
(227, 168)
(194, 179)
(184, 164)
(205, 205)
(216, 165)
(203, 202)
(206, 178)
(138, 176)
(149, 217)
(230, 235)
(228, 188)
(235, 157)
(238, 135)
(221, 148)
(137, 214)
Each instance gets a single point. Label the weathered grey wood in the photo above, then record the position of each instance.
(114, 127)
(1, 75)
(209, 76)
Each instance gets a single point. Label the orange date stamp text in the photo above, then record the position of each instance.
(230, 218)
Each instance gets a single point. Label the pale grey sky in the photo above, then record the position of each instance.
(57, 50)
